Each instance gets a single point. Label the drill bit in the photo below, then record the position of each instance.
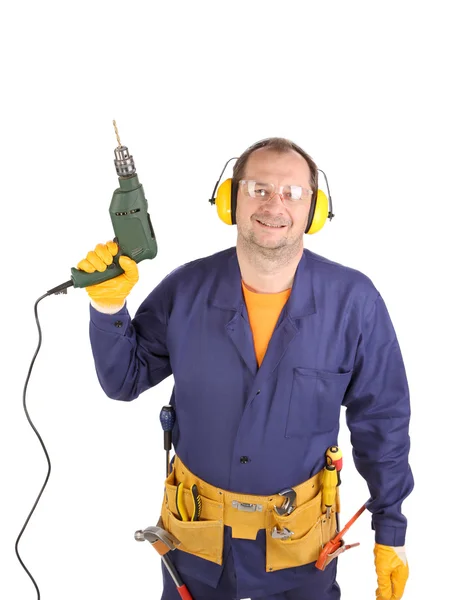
(124, 162)
(116, 134)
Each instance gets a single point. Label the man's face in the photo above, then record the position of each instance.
(255, 218)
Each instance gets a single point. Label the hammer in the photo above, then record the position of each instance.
(163, 542)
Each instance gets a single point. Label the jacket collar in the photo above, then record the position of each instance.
(228, 294)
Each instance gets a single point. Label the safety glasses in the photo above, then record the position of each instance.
(265, 191)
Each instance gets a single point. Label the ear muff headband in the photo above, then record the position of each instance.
(226, 203)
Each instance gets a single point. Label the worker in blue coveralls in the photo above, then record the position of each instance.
(266, 342)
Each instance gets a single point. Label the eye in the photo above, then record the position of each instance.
(261, 190)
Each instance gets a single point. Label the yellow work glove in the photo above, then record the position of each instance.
(109, 296)
(392, 571)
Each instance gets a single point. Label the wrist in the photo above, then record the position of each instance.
(107, 308)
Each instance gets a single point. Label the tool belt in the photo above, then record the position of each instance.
(308, 527)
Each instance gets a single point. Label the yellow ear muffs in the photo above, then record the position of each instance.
(319, 212)
(225, 202)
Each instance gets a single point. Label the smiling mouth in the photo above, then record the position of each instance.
(270, 225)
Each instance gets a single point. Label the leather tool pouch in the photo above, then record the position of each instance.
(204, 538)
(310, 531)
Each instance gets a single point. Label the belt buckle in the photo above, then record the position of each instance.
(246, 506)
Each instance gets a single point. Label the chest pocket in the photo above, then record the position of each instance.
(315, 401)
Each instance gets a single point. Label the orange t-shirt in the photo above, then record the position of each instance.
(263, 313)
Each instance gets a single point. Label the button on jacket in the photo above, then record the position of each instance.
(260, 430)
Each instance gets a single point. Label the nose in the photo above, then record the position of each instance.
(277, 195)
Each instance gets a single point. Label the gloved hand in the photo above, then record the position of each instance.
(109, 296)
(392, 571)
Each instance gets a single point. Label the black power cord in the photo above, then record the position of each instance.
(60, 289)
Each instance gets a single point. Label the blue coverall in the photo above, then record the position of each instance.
(260, 430)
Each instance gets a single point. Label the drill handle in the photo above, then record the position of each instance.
(82, 279)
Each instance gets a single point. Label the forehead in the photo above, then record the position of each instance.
(272, 166)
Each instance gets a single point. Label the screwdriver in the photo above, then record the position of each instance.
(330, 480)
(334, 456)
(167, 418)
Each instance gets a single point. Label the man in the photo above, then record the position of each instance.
(266, 341)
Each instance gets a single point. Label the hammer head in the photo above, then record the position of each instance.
(157, 534)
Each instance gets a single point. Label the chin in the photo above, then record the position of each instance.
(280, 245)
(270, 244)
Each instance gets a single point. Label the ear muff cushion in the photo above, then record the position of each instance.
(223, 202)
(234, 190)
(318, 213)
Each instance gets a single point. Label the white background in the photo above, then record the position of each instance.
(361, 86)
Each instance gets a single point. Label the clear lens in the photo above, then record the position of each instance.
(292, 192)
(265, 191)
(255, 189)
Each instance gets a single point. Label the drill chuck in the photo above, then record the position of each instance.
(124, 163)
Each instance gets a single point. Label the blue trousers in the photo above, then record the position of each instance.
(316, 585)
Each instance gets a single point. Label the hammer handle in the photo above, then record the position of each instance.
(182, 589)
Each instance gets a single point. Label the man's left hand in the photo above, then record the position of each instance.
(392, 571)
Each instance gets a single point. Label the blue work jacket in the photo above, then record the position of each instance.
(260, 430)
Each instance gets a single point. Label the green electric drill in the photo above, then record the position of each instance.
(135, 237)
(131, 222)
